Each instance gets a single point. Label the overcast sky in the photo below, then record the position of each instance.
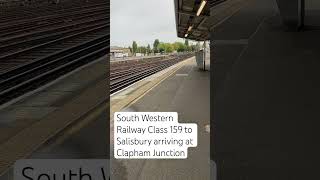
(142, 21)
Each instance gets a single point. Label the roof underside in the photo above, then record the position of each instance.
(186, 16)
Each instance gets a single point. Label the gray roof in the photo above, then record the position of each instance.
(186, 16)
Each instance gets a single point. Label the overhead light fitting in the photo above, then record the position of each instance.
(203, 3)
(186, 35)
(190, 27)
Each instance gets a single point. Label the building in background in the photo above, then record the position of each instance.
(119, 52)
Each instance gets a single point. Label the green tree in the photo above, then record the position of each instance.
(134, 47)
(148, 49)
(168, 48)
(143, 50)
(165, 47)
(161, 48)
(186, 42)
(175, 46)
(155, 46)
(180, 47)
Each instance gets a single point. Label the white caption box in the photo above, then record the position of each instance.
(152, 135)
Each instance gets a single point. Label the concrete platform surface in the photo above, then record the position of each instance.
(265, 105)
(187, 92)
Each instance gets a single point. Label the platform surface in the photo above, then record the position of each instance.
(186, 91)
(265, 106)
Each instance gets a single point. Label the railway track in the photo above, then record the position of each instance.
(36, 51)
(40, 48)
(126, 73)
(46, 22)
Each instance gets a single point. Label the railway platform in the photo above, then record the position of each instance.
(58, 120)
(182, 88)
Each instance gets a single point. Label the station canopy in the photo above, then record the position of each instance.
(192, 18)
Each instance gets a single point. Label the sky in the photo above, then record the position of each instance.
(142, 21)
